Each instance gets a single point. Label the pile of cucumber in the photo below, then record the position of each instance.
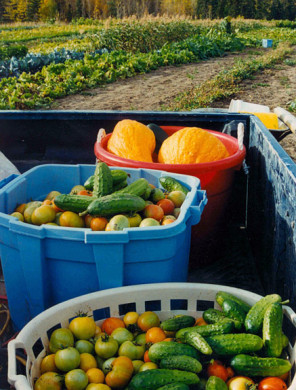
(248, 339)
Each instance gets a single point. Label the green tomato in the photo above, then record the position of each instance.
(60, 339)
(84, 346)
(49, 380)
(131, 350)
(106, 346)
(107, 365)
(67, 359)
(121, 335)
(137, 365)
(141, 339)
(76, 380)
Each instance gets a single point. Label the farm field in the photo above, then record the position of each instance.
(108, 65)
(148, 64)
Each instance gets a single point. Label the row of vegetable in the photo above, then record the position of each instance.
(237, 347)
(58, 80)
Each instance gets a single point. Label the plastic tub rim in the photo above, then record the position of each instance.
(232, 161)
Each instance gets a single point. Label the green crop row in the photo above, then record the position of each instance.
(58, 80)
(226, 83)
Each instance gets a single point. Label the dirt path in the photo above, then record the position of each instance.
(149, 91)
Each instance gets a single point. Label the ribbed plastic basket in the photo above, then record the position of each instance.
(163, 298)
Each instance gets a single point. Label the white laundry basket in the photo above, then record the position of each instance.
(163, 298)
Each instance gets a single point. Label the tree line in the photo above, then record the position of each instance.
(66, 10)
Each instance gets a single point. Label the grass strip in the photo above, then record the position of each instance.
(226, 83)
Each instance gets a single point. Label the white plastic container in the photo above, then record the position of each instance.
(193, 297)
(241, 106)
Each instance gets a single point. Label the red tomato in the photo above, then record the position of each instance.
(167, 205)
(272, 383)
(153, 211)
(216, 368)
(111, 323)
(84, 192)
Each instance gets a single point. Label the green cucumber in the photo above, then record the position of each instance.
(164, 349)
(198, 342)
(103, 181)
(138, 188)
(234, 310)
(207, 330)
(254, 318)
(119, 186)
(256, 366)
(174, 386)
(153, 379)
(233, 344)
(212, 316)
(115, 204)
(272, 330)
(171, 184)
(216, 383)
(75, 203)
(177, 322)
(181, 362)
(285, 340)
(222, 295)
(118, 176)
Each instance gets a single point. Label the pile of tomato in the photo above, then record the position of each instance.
(88, 356)
(161, 209)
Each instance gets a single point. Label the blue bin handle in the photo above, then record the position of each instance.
(197, 210)
(7, 180)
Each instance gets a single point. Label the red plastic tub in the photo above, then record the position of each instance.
(216, 178)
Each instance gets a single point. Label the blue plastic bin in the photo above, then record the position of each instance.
(45, 265)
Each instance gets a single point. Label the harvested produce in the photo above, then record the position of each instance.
(141, 352)
(191, 145)
(133, 140)
(113, 204)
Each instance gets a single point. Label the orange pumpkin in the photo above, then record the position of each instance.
(191, 145)
(133, 140)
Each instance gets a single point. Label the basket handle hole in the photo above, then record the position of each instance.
(127, 307)
(153, 305)
(179, 304)
(100, 314)
(202, 305)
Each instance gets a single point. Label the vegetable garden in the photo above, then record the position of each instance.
(41, 64)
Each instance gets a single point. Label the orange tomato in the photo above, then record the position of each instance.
(148, 320)
(146, 357)
(272, 383)
(111, 323)
(70, 219)
(217, 368)
(230, 372)
(21, 208)
(84, 192)
(200, 321)
(154, 335)
(95, 375)
(98, 224)
(87, 220)
(122, 371)
(131, 318)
